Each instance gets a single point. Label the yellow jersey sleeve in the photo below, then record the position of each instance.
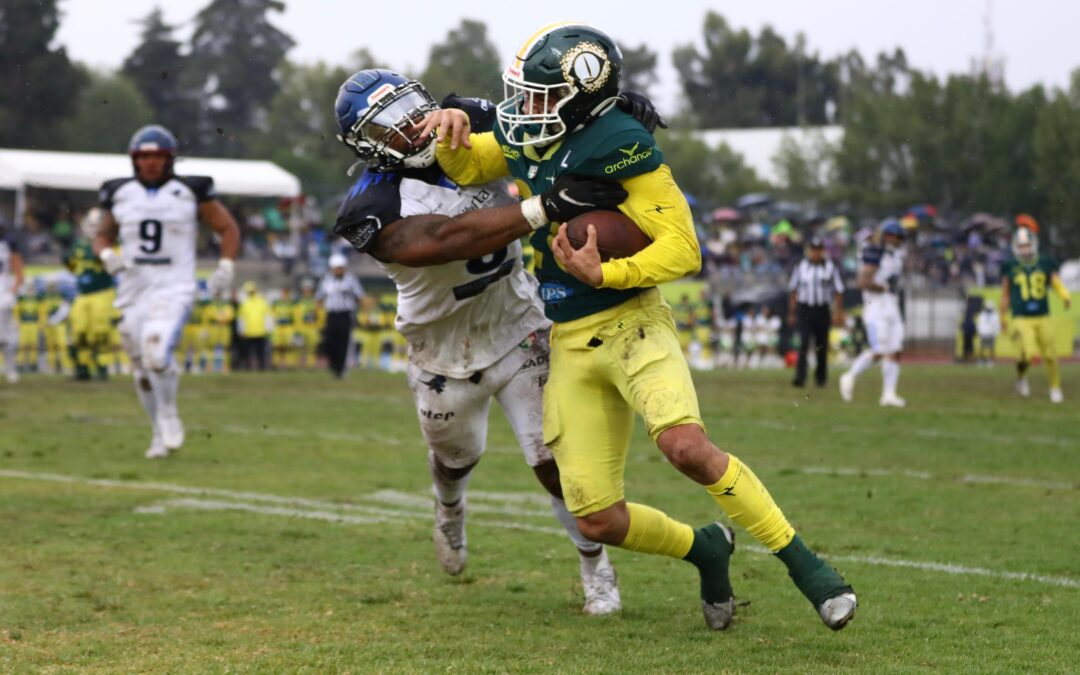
(659, 208)
(481, 164)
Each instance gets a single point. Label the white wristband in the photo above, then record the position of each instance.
(533, 210)
(226, 264)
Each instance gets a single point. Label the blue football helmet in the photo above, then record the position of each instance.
(153, 138)
(379, 114)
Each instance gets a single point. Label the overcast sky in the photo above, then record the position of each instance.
(1037, 38)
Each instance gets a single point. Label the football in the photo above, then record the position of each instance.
(617, 236)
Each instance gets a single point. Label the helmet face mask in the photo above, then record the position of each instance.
(385, 129)
(1025, 245)
(564, 77)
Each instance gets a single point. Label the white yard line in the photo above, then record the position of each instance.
(924, 475)
(329, 511)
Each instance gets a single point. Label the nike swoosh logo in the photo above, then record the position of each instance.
(631, 151)
(566, 198)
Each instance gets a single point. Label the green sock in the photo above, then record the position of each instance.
(813, 576)
(710, 553)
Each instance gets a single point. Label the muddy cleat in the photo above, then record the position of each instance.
(711, 554)
(847, 387)
(172, 431)
(601, 585)
(837, 612)
(1056, 396)
(449, 536)
(1022, 387)
(891, 401)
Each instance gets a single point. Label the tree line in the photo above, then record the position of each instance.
(964, 142)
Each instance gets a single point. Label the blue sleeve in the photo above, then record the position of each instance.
(871, 255)
(481, 111)
(202, 186)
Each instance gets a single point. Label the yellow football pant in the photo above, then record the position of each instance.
(91, 324)
(1035, 335)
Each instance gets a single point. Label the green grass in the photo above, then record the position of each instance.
(121, 576)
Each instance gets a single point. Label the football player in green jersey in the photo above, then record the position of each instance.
(1025, 282)
(614, 348)
(91, 311)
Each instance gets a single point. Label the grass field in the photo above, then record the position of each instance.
(292, 534)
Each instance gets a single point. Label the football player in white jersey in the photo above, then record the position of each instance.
(11, 280)
(476, 330)
(154, 216)
(879, 279)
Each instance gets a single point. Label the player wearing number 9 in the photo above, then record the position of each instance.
(475, 328)
(1025, 282)
(154, 217)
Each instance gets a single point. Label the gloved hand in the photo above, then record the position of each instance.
(641, 108)
(222, 278)
(111, 260)
(572, 196)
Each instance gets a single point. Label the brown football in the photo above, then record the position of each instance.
(616, 235)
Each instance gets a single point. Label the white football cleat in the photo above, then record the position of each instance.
(1056, 396)
(601, 585)
(172, 431)
(12, 377)
(157, 449)
(1022, 387)
(450, 543)
(837, 612)
(891, 401)
(847, 387)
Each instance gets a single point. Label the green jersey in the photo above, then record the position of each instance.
(613, 146)
(90, 274)
(1029, 285)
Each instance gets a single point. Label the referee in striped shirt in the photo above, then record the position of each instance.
(815, 284)
(339, 293)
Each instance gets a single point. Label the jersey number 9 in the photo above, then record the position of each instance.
(150, 232)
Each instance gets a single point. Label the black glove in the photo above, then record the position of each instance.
(572, 196)
(641, 108)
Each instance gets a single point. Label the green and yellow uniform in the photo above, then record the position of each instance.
(220, 316)
(29, 311)
(309, 323)
(56, 336)
(1029, 303)
(92, 309)
(283, 337)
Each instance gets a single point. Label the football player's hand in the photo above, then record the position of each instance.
(222, 278)
(572, 196)
(448, 122)
(583, 263)
(641, 108)
(112, 261)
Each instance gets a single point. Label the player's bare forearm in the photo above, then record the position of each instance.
(865, 280)
(1003, 302)
(214, 214)
(106, 234)
(419, 241)
(17, 272)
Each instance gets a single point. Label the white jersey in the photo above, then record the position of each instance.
(158, 231)
(766, 329)
(988, 323)
(7, 279)
(890, 267)
(459, 317)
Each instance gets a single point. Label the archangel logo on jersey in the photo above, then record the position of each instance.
(587, 65)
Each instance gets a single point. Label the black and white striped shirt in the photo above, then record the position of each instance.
(815, 285)
(339, 295)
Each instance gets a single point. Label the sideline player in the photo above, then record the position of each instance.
(11, 281)
(1024, 281)
(879, 279)
(91, 311)
(474, 329)
(154, 215)
(614, 348)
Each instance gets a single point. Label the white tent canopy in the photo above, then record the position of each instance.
(20, 169)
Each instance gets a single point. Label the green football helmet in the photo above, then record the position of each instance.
(562, 78)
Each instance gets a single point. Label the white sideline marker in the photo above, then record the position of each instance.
(314, 509)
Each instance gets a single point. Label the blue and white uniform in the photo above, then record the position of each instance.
(881, 310)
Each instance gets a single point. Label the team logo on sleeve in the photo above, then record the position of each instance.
(587, 66)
